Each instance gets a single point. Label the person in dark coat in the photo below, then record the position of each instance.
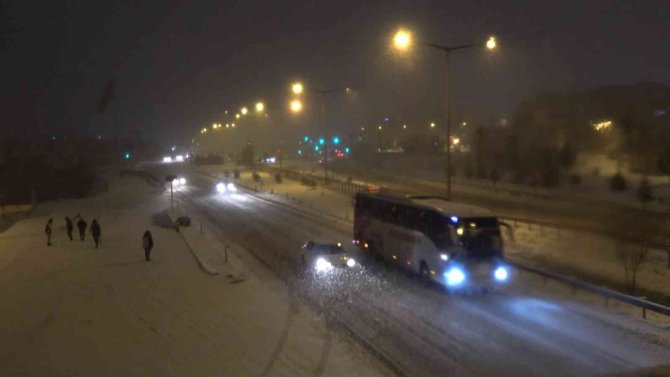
(81, 225)
(47, 230)
(147, 244)
(95, 232)
(69, 227)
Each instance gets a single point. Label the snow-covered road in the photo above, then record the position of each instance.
(523, 331)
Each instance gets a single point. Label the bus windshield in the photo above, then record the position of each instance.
(480, 237)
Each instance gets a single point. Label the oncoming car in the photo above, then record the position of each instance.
(224, 187)
(325, 257)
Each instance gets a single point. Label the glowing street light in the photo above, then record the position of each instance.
(602, 126)
(296, 106)
(404, 126)
(260, 106)
(237, 116)
(244, 111)
(297, 88)
(402, 40)
(432, 125)
(491, 43)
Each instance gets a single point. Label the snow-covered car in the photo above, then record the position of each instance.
(323, 257)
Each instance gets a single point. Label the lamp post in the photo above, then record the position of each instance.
(402, 41)
(296, 106)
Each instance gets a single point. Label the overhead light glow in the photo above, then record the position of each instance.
(491, 43)
(402, 39)
(297, 88)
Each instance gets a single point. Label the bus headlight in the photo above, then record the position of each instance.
(182, 181)
(455, 276)
(220, 187)
(500, 273)
(444, 257)
(322, 265)
(351, 262)
(231, 187)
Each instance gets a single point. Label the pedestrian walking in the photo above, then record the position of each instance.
(81, 225)
(147, 244)
(47, 230)
(95, 232)
(69, 227)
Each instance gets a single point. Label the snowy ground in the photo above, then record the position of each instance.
(581, 254)
(73, 310)
(528, 329)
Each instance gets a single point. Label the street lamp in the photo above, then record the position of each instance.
(296, 106)
(297, 88)
(260, 106)
(402, 41)
(244, 111)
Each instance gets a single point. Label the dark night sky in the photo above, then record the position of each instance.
(179, 64)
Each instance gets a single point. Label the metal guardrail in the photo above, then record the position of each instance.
(601, 291)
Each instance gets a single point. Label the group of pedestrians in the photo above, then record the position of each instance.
(96, 232)
(95, 229)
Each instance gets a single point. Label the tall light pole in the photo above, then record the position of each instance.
(402, 41)
(298, 88)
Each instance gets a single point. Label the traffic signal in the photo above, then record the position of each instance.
(347, 150)
(336, 140)
(316, 148)
(127, 156)
(321, 140)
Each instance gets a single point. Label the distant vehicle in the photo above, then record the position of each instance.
(454, 244)
(226, 187)
(323, 258)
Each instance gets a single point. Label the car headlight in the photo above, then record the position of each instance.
(351, 262)
(179, 158)
(220, 187)
(182, 181)
(455, 276)
(444, 257)
(322, 265)
(231, 187)
(500, 273)
(167, 159)
(175, 181)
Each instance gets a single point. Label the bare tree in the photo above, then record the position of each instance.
(637, 238)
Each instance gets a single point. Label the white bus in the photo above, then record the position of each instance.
(454, 244)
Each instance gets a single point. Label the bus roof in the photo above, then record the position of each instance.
(438, 204)
(452, 208)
